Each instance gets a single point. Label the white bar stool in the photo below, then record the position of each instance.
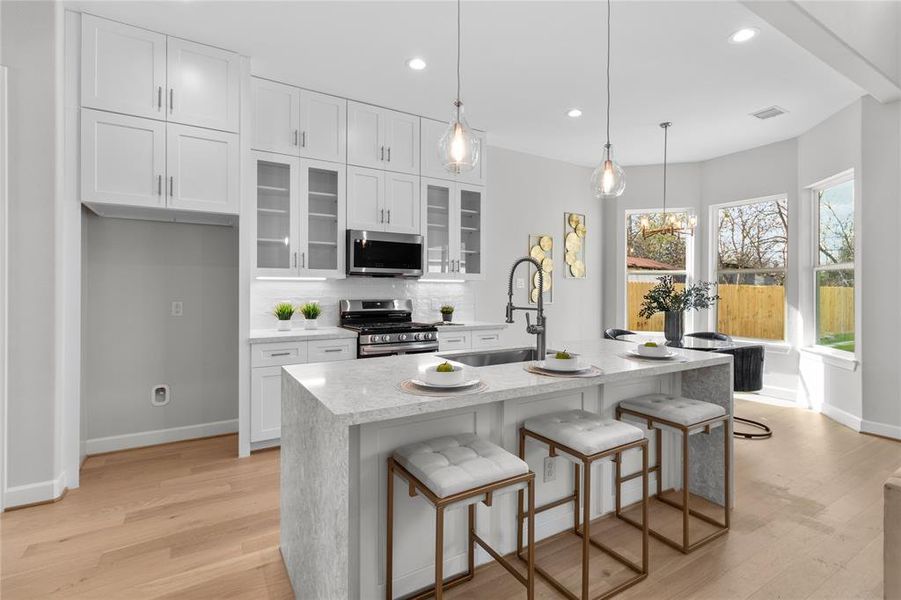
(452, 472)
(685, 416)
(584, 438)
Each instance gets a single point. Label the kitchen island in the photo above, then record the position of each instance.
(341, 421)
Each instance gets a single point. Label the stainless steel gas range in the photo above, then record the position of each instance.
(386, 327)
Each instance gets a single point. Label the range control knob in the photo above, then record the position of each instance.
(428, 336)
(402, 337)
(373, 338)
(419, 336)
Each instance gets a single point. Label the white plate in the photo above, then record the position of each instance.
(542, 364)
(667, 356)
(432, 386)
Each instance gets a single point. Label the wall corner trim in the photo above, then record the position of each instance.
(35, 493)
(842, 417)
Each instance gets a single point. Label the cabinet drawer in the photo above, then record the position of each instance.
(275, 354)
(486, 339)
(454, 341)
(329, 350)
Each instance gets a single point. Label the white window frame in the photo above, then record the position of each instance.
(689, 270)
(714, 270)
(815, 189)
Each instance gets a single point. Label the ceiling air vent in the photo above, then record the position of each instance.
(769, 113)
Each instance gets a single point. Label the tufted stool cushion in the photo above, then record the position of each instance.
(456, 463)
(675, 409)
(583, 431)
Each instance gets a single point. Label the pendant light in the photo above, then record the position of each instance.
(608, 180)
(459, 148)
(672, 225)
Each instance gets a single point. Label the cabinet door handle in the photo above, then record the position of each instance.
(389, 153)
(303, 139)
(274, 354)
(389, 215)
(295, 137)
(159, 98)
(382, 216)
(333, 350)
(454, 340)
(303, 260)
(382, 156)
(159, 185)
(171, 185)
(295, 260)
(171, 99)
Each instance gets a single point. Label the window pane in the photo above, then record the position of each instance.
(753, 236)
(835, 309)
(836, 219)
(638, 285)
(658, 252)
(751, 305)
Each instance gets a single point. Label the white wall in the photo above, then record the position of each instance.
(525, 194)
(132, 271)
(29, 34)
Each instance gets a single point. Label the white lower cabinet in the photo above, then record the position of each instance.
(267, 361)
(479, 339)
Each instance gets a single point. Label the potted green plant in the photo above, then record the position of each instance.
(447, 313)
(310, 312)
(283, 311)
(673, 303)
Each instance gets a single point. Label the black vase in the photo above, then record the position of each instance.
(447, 317)
(674, 326)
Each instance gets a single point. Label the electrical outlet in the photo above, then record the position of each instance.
(520, 283)
(177, 308)
(550, 468)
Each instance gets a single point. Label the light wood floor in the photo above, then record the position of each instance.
(188, 520)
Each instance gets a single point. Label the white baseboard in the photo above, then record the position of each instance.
(840, 416)
(891, 431)
(781, 393)
(42, 491)
(159, 436)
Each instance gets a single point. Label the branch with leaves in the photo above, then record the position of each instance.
(665, 297)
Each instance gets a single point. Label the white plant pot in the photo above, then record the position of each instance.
(310, 324)
(284, 325)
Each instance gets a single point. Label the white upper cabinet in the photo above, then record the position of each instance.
(203, 85)
(323, 127)
(365, 135)
(323, 210)
(454, 227)
(401, 203)
(276, 114)
(123, 159)
(382, 139)
(431, 165)
(365, 199)
(133, 71)
(123, 68)
(202, 169)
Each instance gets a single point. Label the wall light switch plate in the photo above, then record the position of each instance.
(550, 469)
(177, 308)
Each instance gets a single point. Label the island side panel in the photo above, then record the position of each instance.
(710, 384)
(315, 499)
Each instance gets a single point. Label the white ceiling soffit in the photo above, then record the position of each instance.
(525, 64)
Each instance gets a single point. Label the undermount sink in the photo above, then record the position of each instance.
(487, 358)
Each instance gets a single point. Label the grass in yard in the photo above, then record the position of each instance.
(838, 341)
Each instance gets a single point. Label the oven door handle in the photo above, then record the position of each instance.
(377, 349)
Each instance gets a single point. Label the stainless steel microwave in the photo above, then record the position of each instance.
(384, 254)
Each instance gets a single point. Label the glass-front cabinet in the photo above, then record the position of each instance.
(453, 224)
(300, 216)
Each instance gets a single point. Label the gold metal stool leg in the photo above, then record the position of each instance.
(439, 553)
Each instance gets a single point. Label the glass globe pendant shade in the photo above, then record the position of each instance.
(459, 148)
(608, 180)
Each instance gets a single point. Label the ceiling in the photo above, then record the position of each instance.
(526, 63)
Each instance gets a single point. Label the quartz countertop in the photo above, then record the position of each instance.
(262, 336)
(364, 391)
(470, 326)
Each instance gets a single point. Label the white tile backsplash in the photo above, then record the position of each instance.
(427, 297)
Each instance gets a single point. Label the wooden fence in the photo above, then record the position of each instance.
(754, 311)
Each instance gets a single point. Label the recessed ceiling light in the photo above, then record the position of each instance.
(575, 113)
(743, 35)
(417, 64)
